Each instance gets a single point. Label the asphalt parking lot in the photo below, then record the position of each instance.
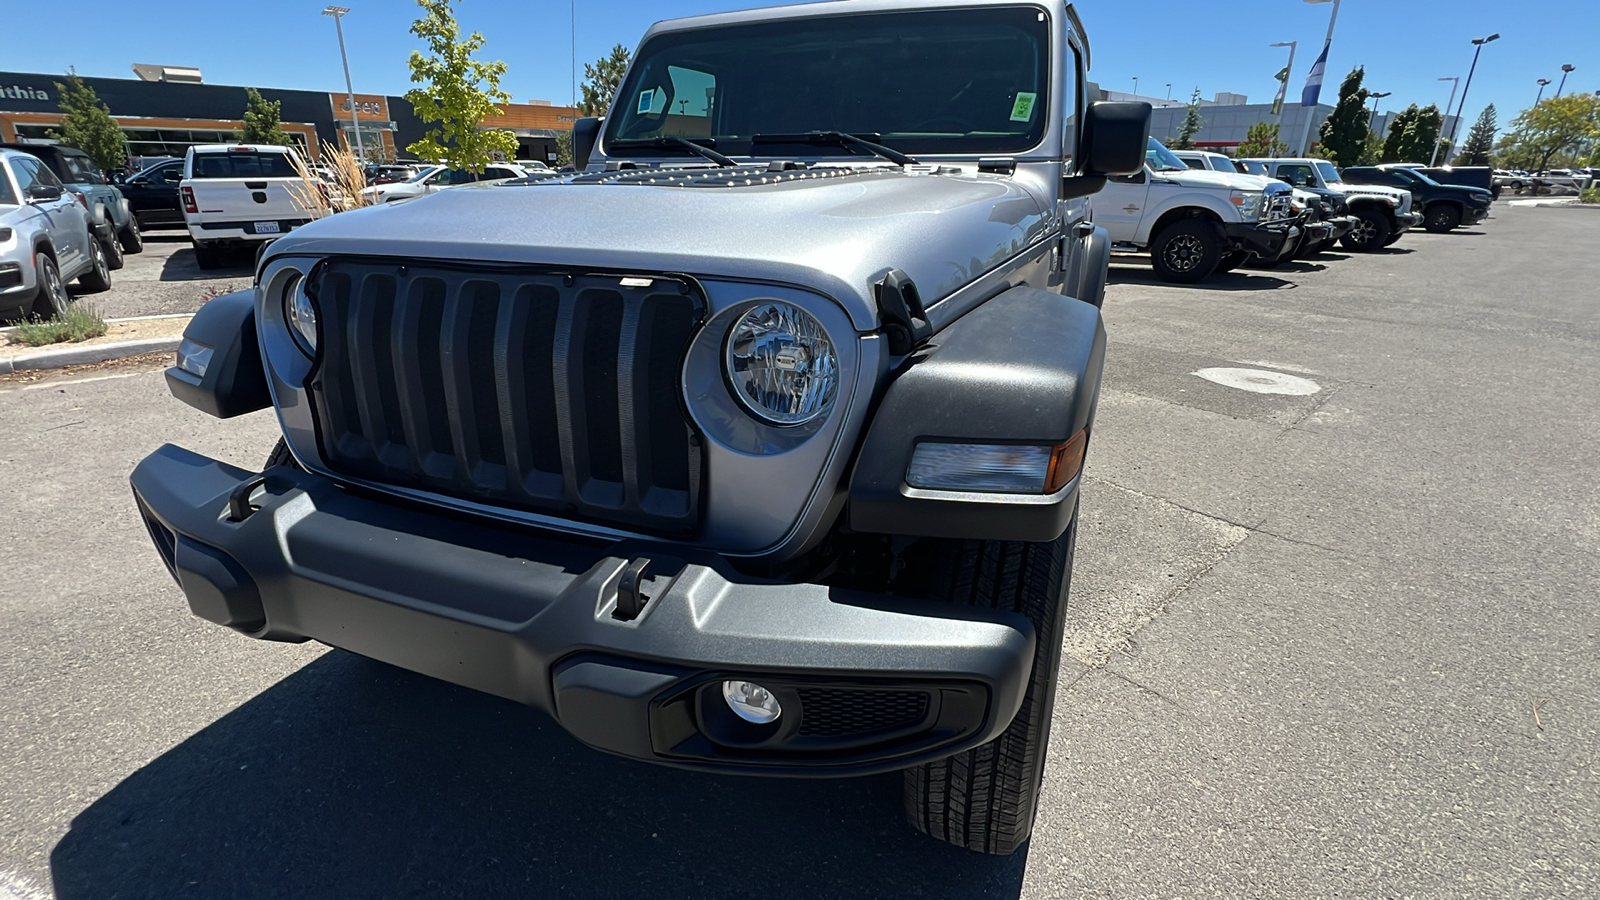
(1338, 639)
(163, 279)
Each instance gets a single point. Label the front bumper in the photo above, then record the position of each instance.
(1268, 241)
(1474, 215)
(291, 556)
(1407, 221)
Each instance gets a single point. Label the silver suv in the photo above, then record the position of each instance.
(752, 446)
(45, 241)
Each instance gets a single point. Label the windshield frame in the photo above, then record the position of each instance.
(664, 48)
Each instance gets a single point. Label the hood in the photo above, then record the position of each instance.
(833, 229)
(1233, 181)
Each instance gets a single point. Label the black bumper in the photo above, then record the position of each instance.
(1265, 241)
(868, 682)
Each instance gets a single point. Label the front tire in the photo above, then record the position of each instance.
(280, 456)
(985, 799)
(1371, 232)
(1187, 251)
(98, 278)
(1442, 219)
(130, 237)
(207, 257)
(113, 250)
(51, 300)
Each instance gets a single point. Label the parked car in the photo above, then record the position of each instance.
(759, 459)
(240, 195)
(1443, 206)
(152, 195)
(390, 173)
(1383, 213)
(46, 240)
(438, 178)
(533, 165)
(1324, 217)
(114, 224)
(1194, 223)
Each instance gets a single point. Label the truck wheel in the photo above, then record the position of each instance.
(51, 300)
(207, 257)
(131, 238)
(1442, 218)
(280, 456)
(98, 278)
(1231, 261)
(1371, 231)
(985, 799)
(1186, 251)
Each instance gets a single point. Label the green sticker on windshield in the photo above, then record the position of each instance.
(1022, 109)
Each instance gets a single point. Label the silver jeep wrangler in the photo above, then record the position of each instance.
(752, 446)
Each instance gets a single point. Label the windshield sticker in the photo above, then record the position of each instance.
(1022, 109)
(652, 101)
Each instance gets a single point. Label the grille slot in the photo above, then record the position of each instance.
(827, 712)
(535, 391)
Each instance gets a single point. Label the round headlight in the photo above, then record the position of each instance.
(301, 313)
(781, 364)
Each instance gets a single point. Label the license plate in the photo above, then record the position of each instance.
(266, 228)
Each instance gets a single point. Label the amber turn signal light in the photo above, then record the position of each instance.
(1066, 462)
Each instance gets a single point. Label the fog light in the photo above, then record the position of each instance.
(751, 702)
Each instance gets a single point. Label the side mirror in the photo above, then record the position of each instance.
(1115, 136)
(44, 193)
(585, 134)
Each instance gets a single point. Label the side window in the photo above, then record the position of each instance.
(494, 172)
(461, 176)
(1193, 163)
(1297, 175)
(31, 174)
(75, 170)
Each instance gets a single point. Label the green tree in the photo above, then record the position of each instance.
(1262, 141)
(600, 80)
(1480, 140)
(1372, 150)
(1554, 126)
(86, 124)
(1343, 134)
(1425, 135)
(1192, 123)
(1401, 125)
(564, 148)
(263, 123)
(459, 93)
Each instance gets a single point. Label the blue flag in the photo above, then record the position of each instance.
(1308, 97)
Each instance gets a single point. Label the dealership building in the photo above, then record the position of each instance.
(167, 109)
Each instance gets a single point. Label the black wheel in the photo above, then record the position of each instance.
(98, 278)
(1231, 261)
(1186, 251)
(112, 249)
(985, 799)
(1442, 218)
(1371, 231)
(207, 257)
(52, 299)
(130, 237)
(1392, 238)
(280, 456)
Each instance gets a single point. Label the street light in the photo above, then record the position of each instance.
(1375, 98)
(1283, 88)
(1136, 85)
(1455, 82)
(338, 13)
(1305, 137)
(1169, 92)
(1565, 69)
(1456, 125)
(1543, 83)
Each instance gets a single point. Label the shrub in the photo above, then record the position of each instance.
(78, 323)
(1590, 195)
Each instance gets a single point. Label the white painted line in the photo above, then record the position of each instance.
(1260, 381)
(1267, 364)
(66, 381)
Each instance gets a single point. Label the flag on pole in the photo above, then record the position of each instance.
(1308, 97)
(1283, 88)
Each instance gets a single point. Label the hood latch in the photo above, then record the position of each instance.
(905, 321)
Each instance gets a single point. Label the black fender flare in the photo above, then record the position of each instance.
(234, 381)
(1022, 368)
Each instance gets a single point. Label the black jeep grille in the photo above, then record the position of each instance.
(827, 712)
(537, 391)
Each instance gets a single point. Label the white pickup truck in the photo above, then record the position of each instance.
(1382, 213)
(1195, 222)
(241, 195)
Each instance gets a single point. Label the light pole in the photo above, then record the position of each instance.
(1169, 92)
(1565, 69)
(1543, 83)
(1305, 136)
(338, 13)
(1456, 125)
(1375, 98)
(1455, 82)
(1136, 85)
(1288, 72)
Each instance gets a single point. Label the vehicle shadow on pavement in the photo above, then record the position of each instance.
(181, 266)
(1237, 280)
(351, 778)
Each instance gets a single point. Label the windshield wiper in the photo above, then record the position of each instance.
(672, 142)
(836, 138)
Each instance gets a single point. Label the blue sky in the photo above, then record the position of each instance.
(1216, 46)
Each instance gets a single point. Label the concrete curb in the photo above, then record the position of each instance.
(77, 356)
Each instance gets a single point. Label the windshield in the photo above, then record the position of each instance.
(928, 81)
(1250, 166)
(1160, 158)
(1328, 172)
(1421, 177)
